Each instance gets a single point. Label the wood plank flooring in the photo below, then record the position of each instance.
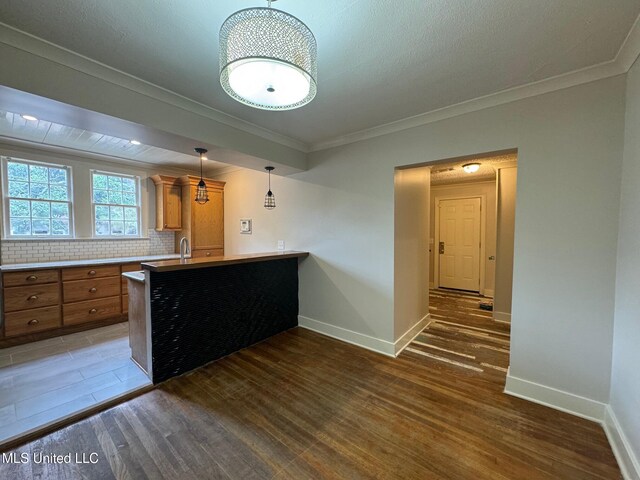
(304, 406)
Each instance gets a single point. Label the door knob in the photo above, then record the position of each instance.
(441, 248)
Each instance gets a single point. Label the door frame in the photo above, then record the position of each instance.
(483, 237)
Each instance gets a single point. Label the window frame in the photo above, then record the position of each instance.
(6, 200)
(138, 206)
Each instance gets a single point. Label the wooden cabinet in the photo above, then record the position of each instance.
(56, 301)
(168, 203)
(203, 225)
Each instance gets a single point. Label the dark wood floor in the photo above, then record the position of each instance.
(302, 406)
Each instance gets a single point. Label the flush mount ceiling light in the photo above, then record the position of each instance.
(29, 118)
(202, 196)
(134, 142)
(269, 198)
(268, 59)
(471, 167)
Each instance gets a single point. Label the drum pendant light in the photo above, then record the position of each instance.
(268, 59)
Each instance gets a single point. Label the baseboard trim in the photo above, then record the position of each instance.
(502, 316)
(412, 333)
(554, 398)
(359, 339)
(627, 460)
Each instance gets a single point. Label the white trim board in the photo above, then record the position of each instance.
(355, 338)
(390, 349)
(408, 337)
(553, 398)
(627, 461)
(502, 316)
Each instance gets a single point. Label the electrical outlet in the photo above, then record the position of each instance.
(280, 244)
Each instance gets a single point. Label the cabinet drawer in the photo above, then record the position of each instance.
(29, 321)
(79, 290)
(125, 303)
(24, 298)
(31, 277)
(214, 252)
(90, 311)
(83, 273)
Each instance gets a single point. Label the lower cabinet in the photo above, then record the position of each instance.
(46, 302)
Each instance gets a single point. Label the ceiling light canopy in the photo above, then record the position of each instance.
(268, 59)
(471, 167)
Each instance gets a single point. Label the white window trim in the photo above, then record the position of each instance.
(138, 206)
(6, 224)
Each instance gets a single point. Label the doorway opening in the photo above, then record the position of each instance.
(471, 214)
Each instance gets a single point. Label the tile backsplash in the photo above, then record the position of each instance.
(28, 251)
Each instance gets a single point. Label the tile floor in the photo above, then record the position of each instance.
(45, 381)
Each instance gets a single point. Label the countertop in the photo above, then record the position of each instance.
(82, 263)
(204, 262)
(135, 276)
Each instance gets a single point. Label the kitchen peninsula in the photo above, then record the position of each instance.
(186, 313)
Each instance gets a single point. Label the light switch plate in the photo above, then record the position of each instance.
(280, 244)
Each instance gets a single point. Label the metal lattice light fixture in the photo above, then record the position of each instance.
(202, 196)
(268, 59)
(269, 198)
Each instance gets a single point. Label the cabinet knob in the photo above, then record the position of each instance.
(31, 278)
(93, 310)
(92, 272)
(208, 254)
(93, 290)
(35, 321)
(32, 298)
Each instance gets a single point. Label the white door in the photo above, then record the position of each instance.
(459, 246)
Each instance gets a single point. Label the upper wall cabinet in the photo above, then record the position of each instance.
(203, 224)
(168, 203)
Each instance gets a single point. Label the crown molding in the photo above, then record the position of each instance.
(37, 46)
(624, 59)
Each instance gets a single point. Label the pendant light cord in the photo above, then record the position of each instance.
(201, 166)
(269, 180)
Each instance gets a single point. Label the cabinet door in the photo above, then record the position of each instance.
(172, 210)
(208, 222)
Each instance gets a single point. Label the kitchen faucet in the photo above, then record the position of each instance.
(186, 250)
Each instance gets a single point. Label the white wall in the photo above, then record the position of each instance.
(411, 248)
(625, 380)
(569, 157)
(488, 189)
(506, 182)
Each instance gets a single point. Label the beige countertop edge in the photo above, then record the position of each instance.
(203, 262)
(17, 267)
(135, 276)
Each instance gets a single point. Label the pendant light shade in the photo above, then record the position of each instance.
(268, 59)
(269, 198)
(202, 196)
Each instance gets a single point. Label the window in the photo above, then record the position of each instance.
(37, 199)
(116, 205)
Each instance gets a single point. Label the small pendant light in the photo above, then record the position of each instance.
(269, 198)
(202, 196)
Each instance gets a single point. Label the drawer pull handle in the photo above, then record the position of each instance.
(32, 278)
(35, 321)
(32, 298)
(93, 310)
(93, 290)
(92, 272)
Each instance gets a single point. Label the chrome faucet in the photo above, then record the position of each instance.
(184, 251)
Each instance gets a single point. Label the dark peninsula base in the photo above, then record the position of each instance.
(202, 314)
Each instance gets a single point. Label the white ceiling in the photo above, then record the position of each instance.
(13, 126)
(379, 61)
(453, 173)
